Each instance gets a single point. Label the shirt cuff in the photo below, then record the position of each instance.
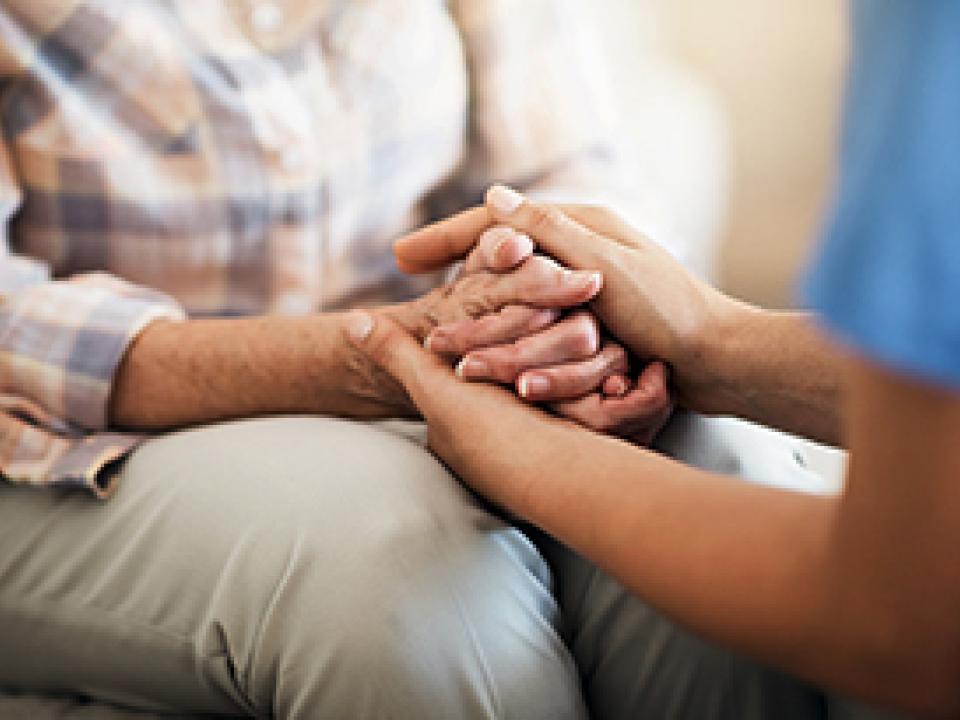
(62, 342)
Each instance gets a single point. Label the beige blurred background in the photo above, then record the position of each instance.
(748, 89)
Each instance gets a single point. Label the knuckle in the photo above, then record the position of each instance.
(545, 218)
(504, 363)
(516, 315)
(474, 295)
(542, 275)
(578, 378)
(477, 306)
(489, 324)
(583, 336)
(463, 338)
(540, 266)
(540, 319)
(492, 329)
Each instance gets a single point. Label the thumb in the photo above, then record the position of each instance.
(390, 347)
(438, 245)
(554, 232)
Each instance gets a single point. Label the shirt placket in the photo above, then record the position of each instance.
(266, 139)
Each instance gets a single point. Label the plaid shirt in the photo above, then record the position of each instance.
(239, 157)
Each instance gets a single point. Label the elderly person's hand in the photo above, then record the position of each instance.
(588, 377)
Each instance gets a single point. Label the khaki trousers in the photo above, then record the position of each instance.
(318, 568)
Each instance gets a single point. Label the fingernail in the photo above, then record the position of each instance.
(617, 387)
(503, 199)
(499, 237)
(533, 385)
(359, 326)
(472, 368)
(522, 248)
(524, 244)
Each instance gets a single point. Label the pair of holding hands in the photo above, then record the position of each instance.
(522, 319)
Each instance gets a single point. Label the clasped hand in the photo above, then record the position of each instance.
(520, 319)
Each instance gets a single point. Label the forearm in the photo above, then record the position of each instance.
(774, 368)
(740, 563)
(755, 568)
(856, 592)
(178, 374)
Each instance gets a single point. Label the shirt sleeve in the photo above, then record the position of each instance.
(61, 342)
(887, 278)
(544, 115)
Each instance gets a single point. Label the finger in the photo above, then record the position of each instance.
(616, 385)
(422, 374)
(573, 380)
(647, 404)
(501, 328)
(650, 393)
(542, 282)
(654, 381)
(611, 415)
(553, 230)
(442, 243)
(499, 249)
(573, 339)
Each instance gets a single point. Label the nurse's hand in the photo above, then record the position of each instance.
(475, 428)
(649, 301)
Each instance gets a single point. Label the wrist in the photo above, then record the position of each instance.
(127, 395)
(709, 378)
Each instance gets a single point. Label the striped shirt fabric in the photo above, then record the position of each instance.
(181, 158)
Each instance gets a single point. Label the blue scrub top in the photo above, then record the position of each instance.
(887, 277)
